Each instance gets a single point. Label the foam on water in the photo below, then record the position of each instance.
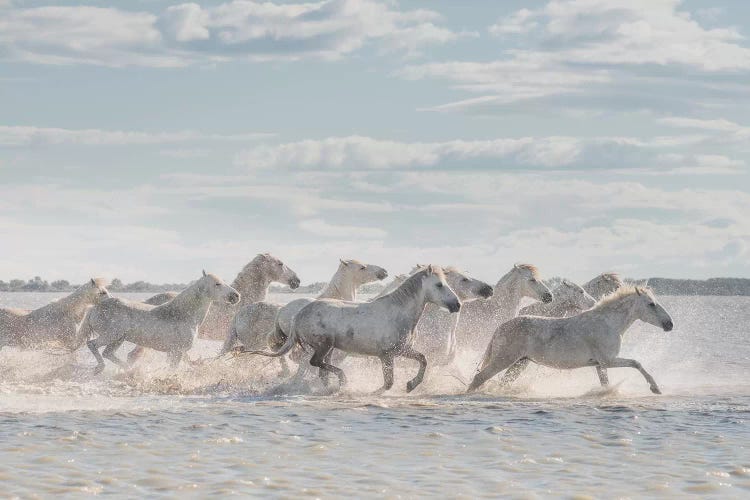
(228, 425)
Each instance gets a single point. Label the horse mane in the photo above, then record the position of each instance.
(622, 292)
(100, 281)
(530, 267)
(247, 273)
(610, 276)
(353, 261)
(403, 293)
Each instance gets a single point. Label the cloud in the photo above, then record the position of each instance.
(188, 33)
(635, 32)
(363, 153)
(730, 131)
(321, 228)
(30, 136)
(608, 47)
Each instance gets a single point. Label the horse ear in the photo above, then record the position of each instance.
(638, 290)
(430, 269)
(204, 272)
(516, 266)
(344, 262)
(93, 282)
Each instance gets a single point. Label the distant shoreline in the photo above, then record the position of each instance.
(661, 286)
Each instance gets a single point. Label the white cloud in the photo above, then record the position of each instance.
(635, 32)
(29, 136)
(188, 33)
(730, 131)
(520, 22)
(570, 46)
(358, 152)
(320, 227)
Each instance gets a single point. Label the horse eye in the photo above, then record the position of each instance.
(652, 304)
(217, 284)
(280, 264)
(533, 280)
(440, 285)
(465, 280)
(363, 268)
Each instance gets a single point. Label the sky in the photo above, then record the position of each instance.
(148, 140)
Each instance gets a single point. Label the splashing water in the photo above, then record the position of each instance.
(231, 425)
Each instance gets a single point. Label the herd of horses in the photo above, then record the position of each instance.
(427, 315)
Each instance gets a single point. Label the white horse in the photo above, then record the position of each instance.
(57, 323)
(569, 299)
(161, 298)
(170, 327)
(265, 323)
(435, 334)
(252, 283)
(602, 285)
(395, 283)
(382, 328)
(592, 338)
(480, 318)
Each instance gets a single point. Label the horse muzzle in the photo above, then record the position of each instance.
(234, 298)
(453, 307)
(294, 283)
(382, 274)
(547, 297)
(486, 292)
(668, 326)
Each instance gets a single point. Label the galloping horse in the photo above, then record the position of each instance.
(170, 327)
(592, 338)
(382, 328)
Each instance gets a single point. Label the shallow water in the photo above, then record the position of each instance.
(226, 426)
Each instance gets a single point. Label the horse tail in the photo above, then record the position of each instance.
(291, 339)
(486, 358)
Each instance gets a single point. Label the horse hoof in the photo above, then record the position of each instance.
(655, 389)
(410, 386)
(98, 369)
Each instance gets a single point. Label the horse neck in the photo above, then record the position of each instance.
(408, 301)
(341, 286)
(191, 304)
(619, 314)
(506, 298)
(74, 305)
(252, 284)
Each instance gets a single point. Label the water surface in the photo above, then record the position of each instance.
(227, 426)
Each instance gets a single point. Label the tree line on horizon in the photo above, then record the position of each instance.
(662, 286)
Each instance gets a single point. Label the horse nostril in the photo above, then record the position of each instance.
(486, 291)
(667, 325)
(381, 275)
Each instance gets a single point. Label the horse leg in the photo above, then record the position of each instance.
(631, 363)
(410, 353)
(285, 371)
(135, 354)
(514, 371)
(174, 359)
(109, 353)
(94, 348)
(229, 341)
(603, 377)
(387, 361)
(490, 370)
(318, 361)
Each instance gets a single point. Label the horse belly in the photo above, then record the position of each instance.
(562, 352)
